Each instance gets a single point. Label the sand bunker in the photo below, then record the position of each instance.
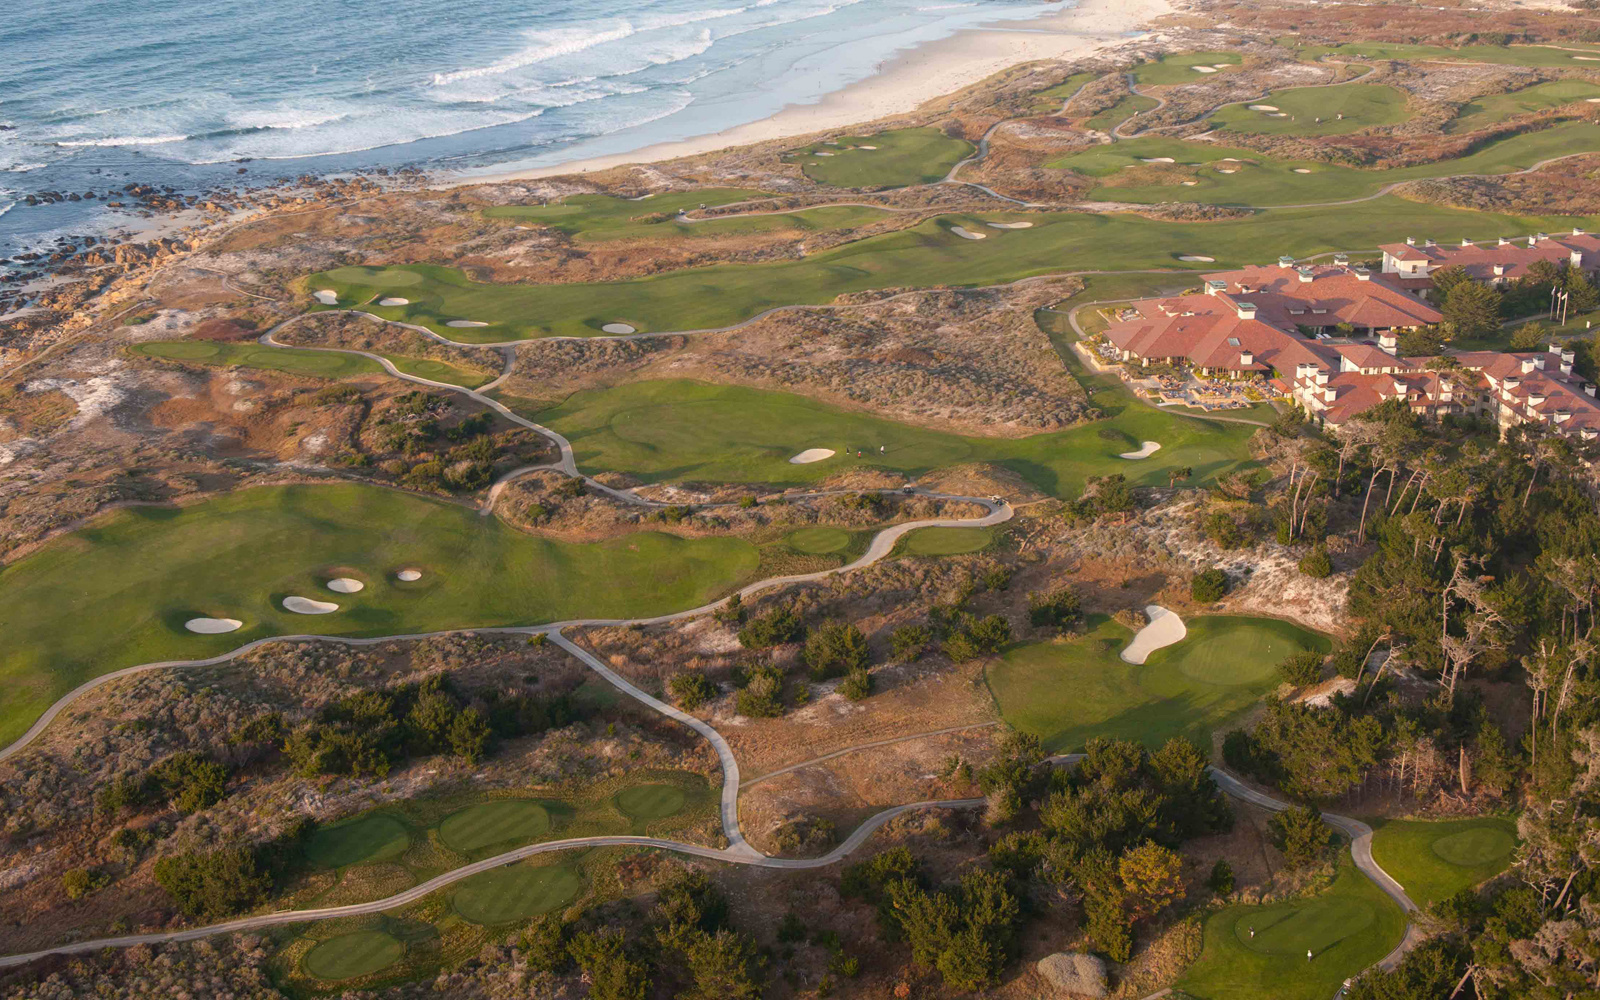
(811, 455)
(1227, 170)
(327, 297)
(1190, 184)
(392, 301)
(1157, 159)
(1009, 225)
(866, 147)
(1149, 448)
(1301, 170)
(1262, 107)
(967, 234)
(1192, 258)
(1592, 100)
(1277, 114)
(409, 575)
(1204, 69)
(306, 606)
(346, 585)
(1222, 65)
(462, 324)
(619, 328)
(212, 626)
(824, 154)
(1587, 58)
(1165, 628)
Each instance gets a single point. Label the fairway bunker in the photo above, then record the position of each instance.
(1262, 107)
(462, 324)
(409, 575)
(866, 147)
(327, 297)
(617, 328)
(392, 301)
(1009, 225)
(346, 585)
(306, 606)
(812, 455)
(1157, 159)
(1165, 628)
(1146, 449)
(967, 234)
(213, 626)
(1192, 258)
(1204, 69)
(1301, 170)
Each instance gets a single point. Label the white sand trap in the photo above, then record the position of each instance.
(618, 328)
(327, 297)
(1222, 65)
(1157, 159)
(1010, 225)
(212, 626)
(1587, 58)
(1231, 159)
(409, 575)
(811, 455)
(967, 234)
(1592, 100)
(1204, 69)
(824, 154)
(1262, 107)
(392, 301)
(306, 606)
(1227, 170)
(1301, 170)
(462, 324)
(1165, 628)
(1148, 448)
(345, 585)
(1192, 258)
(866, 147)
(1190, 184)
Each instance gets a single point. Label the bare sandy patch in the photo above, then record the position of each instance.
(462, 324)
(1009, 225)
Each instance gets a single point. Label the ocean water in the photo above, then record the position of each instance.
(178, 92)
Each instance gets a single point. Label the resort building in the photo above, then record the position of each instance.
(1411, 264)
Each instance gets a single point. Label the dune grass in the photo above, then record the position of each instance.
(900, 158)
(1176, 69)
(347, 956)
(516, 892)
(1347, 928)
(594, 218)
(1496, 108)
(1069, 691)
(691, 431)
(117, 592)
(1435, 860)
(944, 541)
(1362, 104)
(923, 255)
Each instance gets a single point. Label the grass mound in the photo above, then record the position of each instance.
(945, 541)
(370, 838)
(1434, 860)
(818, 541)
(898, 158)
(1363, 105)
(515, 893)
(1067, 692)
(498, 822)
(350, 955)
(648, 802)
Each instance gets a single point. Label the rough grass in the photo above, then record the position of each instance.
(497, 822)
(944, 541)
(818, 541)
(367, 839)
(516, 892)
(1176, 69)
(650, 802)
(902, 157)
(1347, 928)
(1496, 108)
(597, 218)
(1435, 860)
(117, 592)
(350, 955)
(1067, 692)
(1363, 105)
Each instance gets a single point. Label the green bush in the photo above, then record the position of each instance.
(216, 883)
(1209, 586)
(776, 627)
(1221, 879)
(613, 973)
(1302, 835)
(1057, 609)
(80, 882)
(909, 642)
(1316, 564)
(761, 695)
(834, 648)
(1221, 529)
(544, 944)
(1302, 669)
(691, 689)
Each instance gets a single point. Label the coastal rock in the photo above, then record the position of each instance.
(1074, 974)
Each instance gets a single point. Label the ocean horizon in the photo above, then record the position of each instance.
(184, 94)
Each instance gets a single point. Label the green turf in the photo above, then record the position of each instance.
(691, 431)
(1067, 692)
(1496, 108)
(596, 218)
(926, 254)
(1502, 55)
(494, 822)
(376, 837)
(322, 364)
(1176, 69)
(818, 541)
(1434, 860)
(1363, 105)
(1260, 180)
(944, 541)
(440, 371)
(138, 574)
(1347, 928)
(903, 157)
(1051, 99)
(644, 803)
(1121, 111)
(350, 955)
(515, 893)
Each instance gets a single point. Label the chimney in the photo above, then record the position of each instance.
(1568, 357)
(1430, 243)
(1411, 241)
(1465, 242)
(1553, 347)
(1246, 359)
(1588, 433)
(1566, 368)
(1330, 394)
(1216, 286)
(1504, 242)
(1399, 387)
(1511, 382)
(1362, 274)
(1247, 310)
(1538, 362)
(1577, 258)
(1499, 270)
(1286, 262)
(1578, 231)
(1589, 388)
(1341, 258)
(1389, 342)
(1307, 275)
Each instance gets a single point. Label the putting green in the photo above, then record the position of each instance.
(1067, 692)
(1347, 928)
(515, 893)
(1496, 108)
(323, 364)
(1434, 860)
(1130, 105)
(818, 541)
(1363, 105)
(491, 823)
(371, 838)
(440, 371)
(945, 541)
(898, 158)
(1177, 69)
(138, 574)
(648, 802)
(350, 955)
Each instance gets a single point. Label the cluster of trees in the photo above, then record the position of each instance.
(460, 458)
(234, 879)
(1102, 495)
(188, 782)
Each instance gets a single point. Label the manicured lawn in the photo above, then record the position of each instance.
(497, 822)
(117, 592)
(944, 541)
(650, 802)
(440, 371)
(818, 541)
(1486, 111)
(1068, 692)
(1435, 860)
(596, 218)
(693, 432)
(1501, 55)
(1174, 69)
(1362, 104)
(1121, 111)
(516, 893)
(1346, 928)
(350, 955)
(900, 158)
(1050, 100)
(374, 837)
(1261, 180)
(926, 254)
(322, 364)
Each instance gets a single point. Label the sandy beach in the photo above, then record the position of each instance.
(902, 84)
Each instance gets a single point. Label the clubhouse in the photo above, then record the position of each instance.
(1411, 265)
